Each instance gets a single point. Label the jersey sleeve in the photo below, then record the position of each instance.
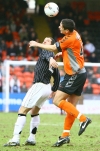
(56, 81)
(65, 43)
(58, 46)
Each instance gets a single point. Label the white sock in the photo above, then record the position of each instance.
(21, 120)
(35, 121)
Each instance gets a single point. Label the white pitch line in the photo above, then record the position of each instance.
(50, 124)
(94, 124)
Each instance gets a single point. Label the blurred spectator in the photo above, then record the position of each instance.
(33, 36)
(26, 69)
(21, 49)
(86, 57)
(25, 45)
(3, 45)
(67, 8)
(11, 50)
(13, 26)
(36, 52)
(23, 33)
(89, 72)
(98, 70)
(14, 84)
(93, 79)
(85, 35)
(79, 21)
(2, 15)
(98, 80)
(15, 42)
(28, 19)
(93, 58)
(21, 57)
(88, 89)
(24, 88)
(8, 35)
(89, 48)
(54, 27)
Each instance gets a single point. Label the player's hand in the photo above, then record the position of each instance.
(32, 43)
(53, 63)
(59, 54)
(52, 95)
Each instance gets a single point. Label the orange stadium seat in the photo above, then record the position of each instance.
(18, 74)
(17, 69)
(95, 69)
(11, 70)
(74, 4)
(32, 74)
(16, 36)
(28, 80)
(20, 57)
(85, 85)
(81, 5)
(27, 74)
(97, 75)
(4, 54)
(28, 84)
(96, 91)
(9, 43)
(95, 86)
(12, 58)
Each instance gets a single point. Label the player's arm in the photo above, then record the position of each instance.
(53, 63)
(43, 46)
(58, 55)
(49, 56)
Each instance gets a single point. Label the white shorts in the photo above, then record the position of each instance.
(37, 95)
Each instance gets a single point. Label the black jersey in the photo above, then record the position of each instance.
(42, 72)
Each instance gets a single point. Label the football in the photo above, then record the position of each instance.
(51, 9)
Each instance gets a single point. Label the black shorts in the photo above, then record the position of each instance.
(73, 84)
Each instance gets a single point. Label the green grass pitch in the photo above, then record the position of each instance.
(50, 128)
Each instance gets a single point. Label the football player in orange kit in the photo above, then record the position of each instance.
(71, 49)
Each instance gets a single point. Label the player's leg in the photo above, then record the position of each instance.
(71, 85)
(69, 119)
(60, 101)
(20, 122)
(26, 106)
(70, 110)
(35, 121)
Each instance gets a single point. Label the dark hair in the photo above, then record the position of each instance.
(68, 24)
(52, 40)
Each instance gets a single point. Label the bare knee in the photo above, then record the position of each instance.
(56, 101)
(73, 99)
(23, 110)
(35, 110)
(59, 97)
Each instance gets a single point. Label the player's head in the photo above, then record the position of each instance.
(49, 41)
(66, 24)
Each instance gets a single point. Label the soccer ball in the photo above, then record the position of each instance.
(51, 9)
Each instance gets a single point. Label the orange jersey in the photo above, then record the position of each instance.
(72, 52)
